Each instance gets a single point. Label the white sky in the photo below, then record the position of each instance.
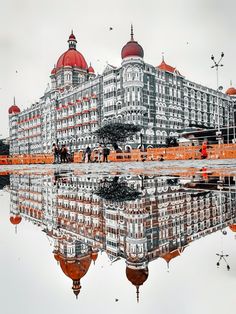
(34, 33)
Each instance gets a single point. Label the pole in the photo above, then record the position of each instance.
(234, 122)
(216, 66)
(141, 140)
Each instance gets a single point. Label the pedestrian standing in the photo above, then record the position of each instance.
(64, 154)
(204, 153)
(100, 153)
(88, 154)
(55, 150)
(105, 152)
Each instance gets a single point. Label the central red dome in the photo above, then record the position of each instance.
(132, 48)
(72, 57)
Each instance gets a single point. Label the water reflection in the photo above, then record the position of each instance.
(135, 218)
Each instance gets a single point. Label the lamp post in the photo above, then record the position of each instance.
(216, 66)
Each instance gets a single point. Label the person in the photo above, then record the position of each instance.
(203, 150)
(64, 153)
(55, 150)
(105, 152)
(100, 151)
(88, 154)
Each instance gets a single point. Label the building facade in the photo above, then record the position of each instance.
(77, 102)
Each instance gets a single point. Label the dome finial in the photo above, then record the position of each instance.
(14, 101)
(163, 56)
(132, 33)
(231, 83)
(137, 293)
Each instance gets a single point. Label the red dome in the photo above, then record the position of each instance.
(231, 91)
(15, 220)
(232, 228)
(166, 67)
(14, 109)
(91, 69)
(132, 48)
(54, 70)
(72, 57)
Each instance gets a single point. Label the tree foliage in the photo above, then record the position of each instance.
(4, 148)
(116, 191)
(116, 132)
(171, 141)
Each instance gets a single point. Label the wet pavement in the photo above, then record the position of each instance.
(118, 237)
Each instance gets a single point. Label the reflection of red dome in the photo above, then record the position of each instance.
(74, 269)
(169, 256)
(14, 109)
(15, 220)
(232, 228)
(137, 276)
(231, 91)
(57, 257)
(132, 48)
(72, 57)
(94, 256)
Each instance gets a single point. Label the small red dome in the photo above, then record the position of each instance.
(132, 48)
(91, 69)
(15, 220)
(72, 36)
(231, 91)
(232, 228)
(54, 70)
(14, 109)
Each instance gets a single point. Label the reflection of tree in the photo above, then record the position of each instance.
(116, 191)
(4, 180)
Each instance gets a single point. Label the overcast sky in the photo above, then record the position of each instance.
(33, 34)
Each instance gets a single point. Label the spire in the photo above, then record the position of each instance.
(72, 41)
(231, 83)
(14, 101)
(137, 293)
(163, 59)
(132, 33)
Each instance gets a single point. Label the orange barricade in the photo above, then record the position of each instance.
(222, 151)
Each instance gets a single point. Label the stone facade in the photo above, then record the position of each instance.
(158, 98)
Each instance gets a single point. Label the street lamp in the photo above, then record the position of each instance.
(216, 66)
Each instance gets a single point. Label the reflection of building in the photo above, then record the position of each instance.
(160, 223)
(158, 98)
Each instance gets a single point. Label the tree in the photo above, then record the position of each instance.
(116, 132)
(171, 141)
(4, 148)
(115, 190)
